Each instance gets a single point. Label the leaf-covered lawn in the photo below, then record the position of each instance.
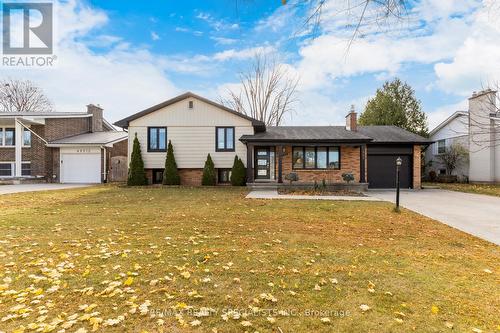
(488, 189)
(112, 259)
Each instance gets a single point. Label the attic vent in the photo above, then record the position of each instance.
(190, 104)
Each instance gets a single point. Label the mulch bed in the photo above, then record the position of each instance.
(320, 192)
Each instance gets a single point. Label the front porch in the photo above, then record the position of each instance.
(314, 163)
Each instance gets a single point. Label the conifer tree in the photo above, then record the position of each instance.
(208, 178)
(136, 173)
(171, 174)
(238, 172)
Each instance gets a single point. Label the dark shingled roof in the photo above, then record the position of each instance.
(391, 134)
(313, 134)
(306, 134)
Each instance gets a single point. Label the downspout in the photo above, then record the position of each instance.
(105, 169)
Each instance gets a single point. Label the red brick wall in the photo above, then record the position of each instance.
(191, 177)
(61, 128)
(52, 163)
(7, 154)
(38, 152)
(417, 166)
(119, 149)
(349, 162)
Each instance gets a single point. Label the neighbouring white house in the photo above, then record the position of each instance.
(454, 130)
(477, 130)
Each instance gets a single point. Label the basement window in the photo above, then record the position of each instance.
(6, 169)
(224, 176)
(26, 169)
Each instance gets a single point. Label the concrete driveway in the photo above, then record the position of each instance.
(476, 214)
(8, 189)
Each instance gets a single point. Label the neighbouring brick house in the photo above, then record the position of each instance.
(197, 126)
(66, 147)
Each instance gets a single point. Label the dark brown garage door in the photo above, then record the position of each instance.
(382, 171)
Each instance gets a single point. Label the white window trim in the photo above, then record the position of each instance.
(436, 152)
(13, 168)
(2, 137)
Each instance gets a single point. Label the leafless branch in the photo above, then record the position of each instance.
(22, 96)
(268, 91)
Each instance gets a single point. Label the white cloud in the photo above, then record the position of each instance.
(155, 36)
(223, 40)
(437, 116)
(475, 64)
(243, 54)
(123, 80)
(217, 25)
(327, 57)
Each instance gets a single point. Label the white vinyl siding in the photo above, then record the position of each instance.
(179, 114)
(192, 132)
(191, 146)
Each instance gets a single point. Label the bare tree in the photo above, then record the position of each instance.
(22, 96)
(268, 91)
(453, 157)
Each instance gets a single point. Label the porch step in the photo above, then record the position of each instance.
(262, 186)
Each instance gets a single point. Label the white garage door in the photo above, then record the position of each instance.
(81, 168)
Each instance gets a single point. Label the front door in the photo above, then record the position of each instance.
(262, 163)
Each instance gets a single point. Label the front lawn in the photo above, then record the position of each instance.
(488, 189)
(116, 259)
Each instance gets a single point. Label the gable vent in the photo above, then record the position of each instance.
(190, 104)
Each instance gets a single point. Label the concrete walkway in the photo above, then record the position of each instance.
(8, 189)
(476, 214)
(273, 194)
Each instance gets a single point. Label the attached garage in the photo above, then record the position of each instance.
(382, 166)
(86, 158)
(80, 165)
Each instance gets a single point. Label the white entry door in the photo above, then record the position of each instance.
(81, 168)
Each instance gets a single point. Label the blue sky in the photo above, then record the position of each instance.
(128, 55)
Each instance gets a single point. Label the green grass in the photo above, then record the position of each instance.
(488, 189)
(177, 250)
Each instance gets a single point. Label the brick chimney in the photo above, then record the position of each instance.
(96, 122)
(351, 120)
